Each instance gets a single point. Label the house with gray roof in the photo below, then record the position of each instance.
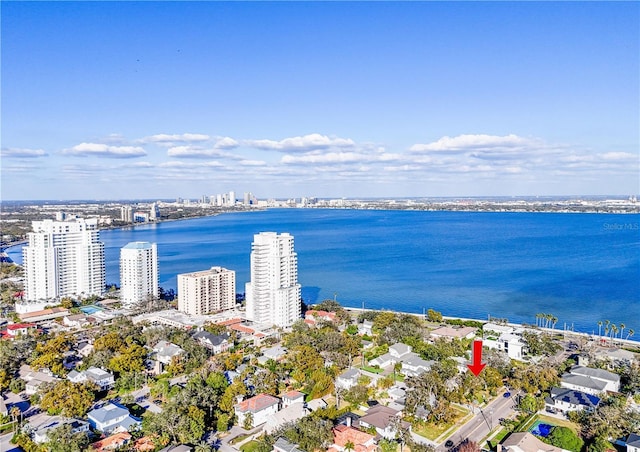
(282, 445)
(413, 365)
(217, 343)
(165, 351)
(101, 378)
(348, 379)
(384, 420)
(40, 434)
(112, 418)
(633, 443)
(582, 383)
(612, 380)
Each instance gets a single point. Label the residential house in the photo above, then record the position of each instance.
(317, 404)
(312, 317)
(611, 380)
(101, 378)
(582, 383)
(384, 420)
(616, 357)
(216, 343)
(34, 379)
(366, 327)
(84, 349)
(564, 400)
(496, 330)
(112, 442)
(20, 329)
(348, 379)
(40, 434)
(291, 413)
(512, 344)
(75, 320)
(526, 442)
(413, 365)
(112, 418)
(447, 332)
(165, 352)
(275, 353)
(361, 441)
(633, 443)
(282, 445)
(260, 407)
(292, 397)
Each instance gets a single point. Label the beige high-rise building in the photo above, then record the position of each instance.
(207, 291)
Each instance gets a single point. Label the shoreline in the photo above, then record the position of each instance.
(589, 336)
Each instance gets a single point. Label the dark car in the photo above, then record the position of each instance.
(506, 395)
(449, 443)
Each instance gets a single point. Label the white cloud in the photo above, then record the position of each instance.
(22, 153)
(192, 152)
(225, 143)
(625, 156)
(105, 150)
(181, 164)
(171, 139)
(252, 163)
(466, 143)
(304, 143)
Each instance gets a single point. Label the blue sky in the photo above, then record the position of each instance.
(111, 100)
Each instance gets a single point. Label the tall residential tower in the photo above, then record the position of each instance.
(273, 295)
(63, 258)
(207, 291)
(138, 272)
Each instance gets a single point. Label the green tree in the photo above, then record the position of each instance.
(434, 316)
(564, 438)
(68, 399)
(62, 439)
(247, 424)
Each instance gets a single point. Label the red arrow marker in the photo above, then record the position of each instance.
(477, 365)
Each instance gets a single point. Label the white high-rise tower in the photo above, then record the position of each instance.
(273, 295)
(63, 258)
(138, 272)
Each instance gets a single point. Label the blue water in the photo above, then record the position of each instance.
(90, 309)
(580, 267)
(541, 429)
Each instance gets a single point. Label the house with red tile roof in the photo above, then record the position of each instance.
(260, 407)
(312, 316)
(111, 442)
(362, 441)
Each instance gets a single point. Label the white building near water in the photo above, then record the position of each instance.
(138, 272)
(207, 291)
(63, 258)
(273, 295)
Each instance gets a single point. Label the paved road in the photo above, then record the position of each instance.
(481, 424)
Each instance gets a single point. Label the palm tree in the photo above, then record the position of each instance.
(599, 327)
(614, 331)
(15, 412)
(622, 327)
(630, 333)
(349, 446)
(554, 320)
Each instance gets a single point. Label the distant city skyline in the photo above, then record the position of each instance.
(154, 100)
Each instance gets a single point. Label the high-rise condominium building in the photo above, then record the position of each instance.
(273, 295)
(63, 258)
(138, 272)
(207, 291)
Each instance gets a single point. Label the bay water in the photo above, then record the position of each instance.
(581, 268)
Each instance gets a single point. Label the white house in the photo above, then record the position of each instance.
(260, 407)
(633, 443)
(582, 383)
(413, 365)
(292, 397)
(101, 378)
(611, 380)
(165, 351)
(365, 327)
(215, 343)
(112, 418)
(564, 400)
(40, 434)
(348, 379)
(512, 344)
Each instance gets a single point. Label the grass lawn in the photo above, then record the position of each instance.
(432, 431)
(374, 370)
(551, 421)
(250, 446)
(239, 438)
(502, 433)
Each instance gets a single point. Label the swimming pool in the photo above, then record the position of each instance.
(91, 309)
(541, 429)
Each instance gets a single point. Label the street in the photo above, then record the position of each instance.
(483, 422)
